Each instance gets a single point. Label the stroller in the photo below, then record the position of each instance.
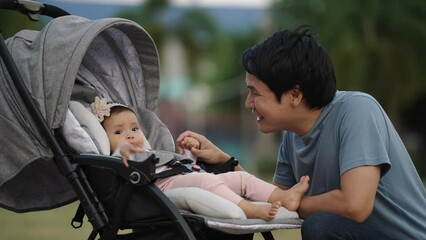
(72, 60)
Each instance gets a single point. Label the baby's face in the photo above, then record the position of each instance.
(123, 127)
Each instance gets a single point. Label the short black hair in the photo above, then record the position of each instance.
(291, 58)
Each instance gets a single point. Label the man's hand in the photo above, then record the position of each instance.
(206, 152)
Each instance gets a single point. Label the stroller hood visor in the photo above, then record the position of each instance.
(69, 57)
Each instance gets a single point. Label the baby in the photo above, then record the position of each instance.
(125, 136)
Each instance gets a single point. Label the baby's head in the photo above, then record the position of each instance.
(122, 126)
(120, 123)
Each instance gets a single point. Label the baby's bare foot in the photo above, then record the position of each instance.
(293, 196)
(275, 206)
(266, 212)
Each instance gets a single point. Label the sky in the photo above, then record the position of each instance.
(201, 3)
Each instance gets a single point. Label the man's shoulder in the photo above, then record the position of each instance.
(350, 96)
(354, 100)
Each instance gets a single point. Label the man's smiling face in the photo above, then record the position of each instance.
(271, 115)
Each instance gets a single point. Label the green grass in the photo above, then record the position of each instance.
(55, 224)
(52, 224)
(284, 234)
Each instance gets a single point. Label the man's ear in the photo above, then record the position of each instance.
(296, 96)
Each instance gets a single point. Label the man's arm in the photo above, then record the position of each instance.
(207, 151)
(355, 199)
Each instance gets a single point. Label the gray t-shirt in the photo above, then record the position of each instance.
(352, 131)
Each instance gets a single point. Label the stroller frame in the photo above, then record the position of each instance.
(140, 174)
(106, 227)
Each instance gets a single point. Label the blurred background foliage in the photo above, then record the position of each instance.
(377, 46)
(11, 22)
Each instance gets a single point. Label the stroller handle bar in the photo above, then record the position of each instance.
(33, 9)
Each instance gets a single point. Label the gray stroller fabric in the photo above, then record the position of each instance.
(71, 58)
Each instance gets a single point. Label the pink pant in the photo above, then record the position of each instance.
(231, 185)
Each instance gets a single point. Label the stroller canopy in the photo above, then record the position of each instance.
(71, 58)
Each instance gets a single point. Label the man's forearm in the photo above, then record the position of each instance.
(333, 202)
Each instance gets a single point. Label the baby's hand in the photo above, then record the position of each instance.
(126, 149)
(189, 143)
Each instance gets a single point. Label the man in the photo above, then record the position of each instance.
(363, 182)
